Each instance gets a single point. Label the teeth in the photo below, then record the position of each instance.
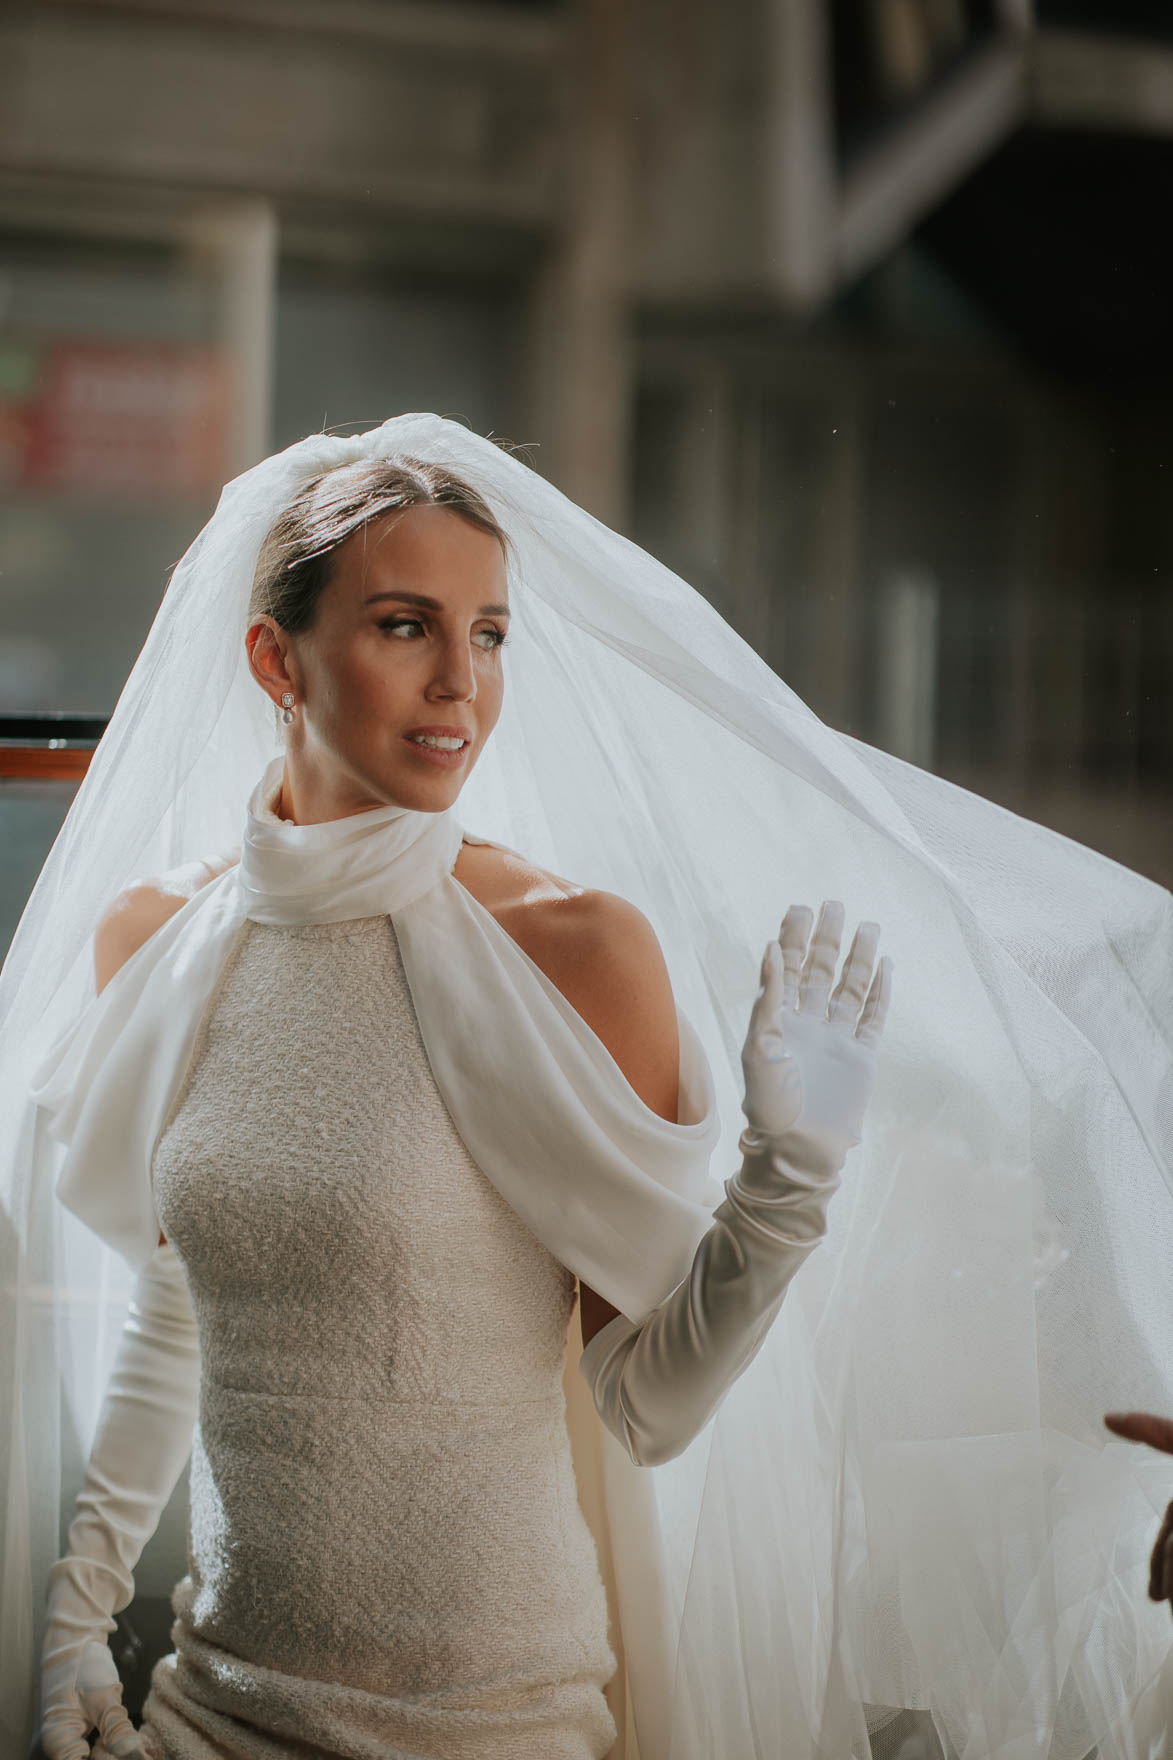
(443, 741)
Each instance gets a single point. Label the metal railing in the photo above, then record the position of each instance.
(48, 745)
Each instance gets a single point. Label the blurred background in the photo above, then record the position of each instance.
(854, 312)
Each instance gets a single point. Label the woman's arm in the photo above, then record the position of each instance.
(809, 1066)
(140, 909)
(144, 906)
(144, 1431)
(142, 1441)
(133, 918)
(604, 956)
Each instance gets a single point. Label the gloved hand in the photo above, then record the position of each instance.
(809, 1072)
(143, 1439)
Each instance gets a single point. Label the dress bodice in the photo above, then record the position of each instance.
(340, 1201)
(385, 1539)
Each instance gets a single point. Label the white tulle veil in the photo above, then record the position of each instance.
(909, 1499)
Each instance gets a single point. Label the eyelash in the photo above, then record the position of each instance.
(494, 629)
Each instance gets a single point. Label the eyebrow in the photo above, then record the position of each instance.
(434, 604)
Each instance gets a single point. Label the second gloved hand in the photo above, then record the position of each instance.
(143, 1439)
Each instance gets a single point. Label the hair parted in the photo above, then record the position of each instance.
(296, 558)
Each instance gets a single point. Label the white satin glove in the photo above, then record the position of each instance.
(142, 1442)
(809, 1072)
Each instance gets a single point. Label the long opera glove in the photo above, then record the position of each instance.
(809, 1070)
(141, 1445)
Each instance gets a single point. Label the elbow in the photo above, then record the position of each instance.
(642, 1448)
(653, 1450)
(655, 1455)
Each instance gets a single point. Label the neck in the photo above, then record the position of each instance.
(361, 864)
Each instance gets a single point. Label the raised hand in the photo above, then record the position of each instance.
(809, 1063)
(809, 1057)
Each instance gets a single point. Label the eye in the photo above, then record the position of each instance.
(499, 637)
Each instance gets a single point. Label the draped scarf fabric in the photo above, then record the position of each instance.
(612, 1189)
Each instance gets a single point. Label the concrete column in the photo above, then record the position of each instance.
(578, 399)
(235, 244)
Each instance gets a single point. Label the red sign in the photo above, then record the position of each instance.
(140, 420)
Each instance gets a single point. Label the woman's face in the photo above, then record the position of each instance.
(406, 638)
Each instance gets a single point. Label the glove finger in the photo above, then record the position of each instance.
(99, 1692)
(117, 1736)
(792, 938)
(875, 1009)
(129, 1748)
(819, 969)
(847, 998)
(64, 1734)
(763, 1012)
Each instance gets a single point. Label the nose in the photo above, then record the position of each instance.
(455, 673)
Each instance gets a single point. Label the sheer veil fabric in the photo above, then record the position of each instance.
(909, 1499)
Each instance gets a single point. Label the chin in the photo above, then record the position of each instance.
(428, 793)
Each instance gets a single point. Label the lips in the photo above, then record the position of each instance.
(435, 727)
(440, 755)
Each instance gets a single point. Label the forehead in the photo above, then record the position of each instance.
(418, 545)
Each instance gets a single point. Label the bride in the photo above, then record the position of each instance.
(364, 1098)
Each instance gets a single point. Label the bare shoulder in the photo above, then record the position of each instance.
(603, 954)
(499, 877)
(600, 951)
(144, 906)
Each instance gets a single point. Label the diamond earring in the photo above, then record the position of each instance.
(287, 706)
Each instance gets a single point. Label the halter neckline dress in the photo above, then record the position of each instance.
(386, 1552)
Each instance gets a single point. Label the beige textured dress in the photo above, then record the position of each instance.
(386, 1553)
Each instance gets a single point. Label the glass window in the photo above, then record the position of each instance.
(113, 440)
